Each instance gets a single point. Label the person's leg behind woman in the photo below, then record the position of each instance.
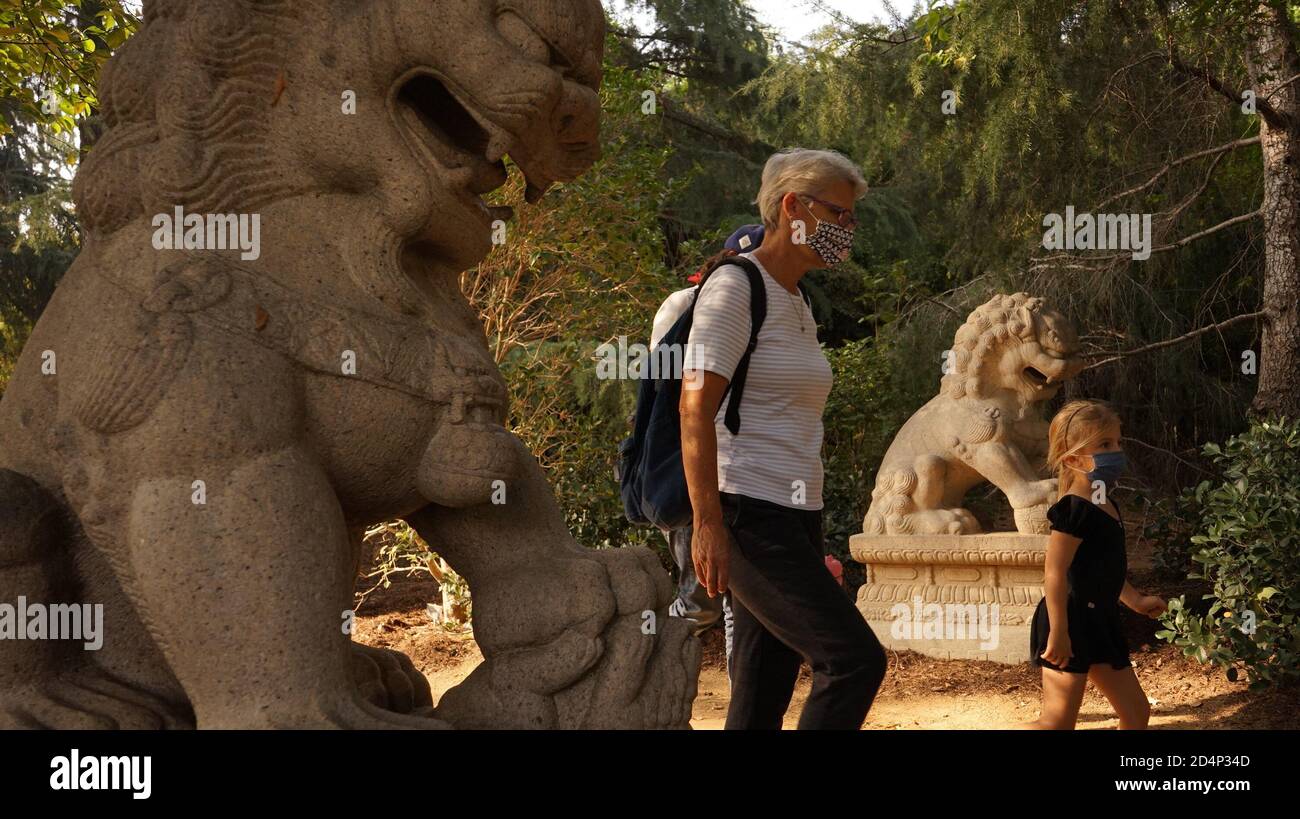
(692, 600)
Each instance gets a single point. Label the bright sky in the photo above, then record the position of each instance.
(796, 19)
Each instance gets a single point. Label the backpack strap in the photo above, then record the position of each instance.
(757, 314)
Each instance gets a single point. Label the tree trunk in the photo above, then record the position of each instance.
(1273, 62)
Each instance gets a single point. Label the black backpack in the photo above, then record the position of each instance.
(650, 474)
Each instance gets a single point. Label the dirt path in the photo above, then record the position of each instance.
(922, 693)
(919, 692)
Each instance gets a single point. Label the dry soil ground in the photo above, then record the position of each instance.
(919, 692)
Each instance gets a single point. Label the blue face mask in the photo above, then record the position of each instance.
(1107, 467)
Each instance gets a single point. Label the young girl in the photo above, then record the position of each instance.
(1076, 634)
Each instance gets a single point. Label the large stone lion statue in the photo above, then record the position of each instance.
(986, 424)
(195, 437)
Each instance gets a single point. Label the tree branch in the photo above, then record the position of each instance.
(1262, 106)
(1105, 91)
(1178, 340)
(1281, 86)
(1186, 240)
(737, 142)
(1169, 452)
(1226, 223)
(1229, 146)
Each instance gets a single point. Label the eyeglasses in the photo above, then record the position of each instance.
(844, 216)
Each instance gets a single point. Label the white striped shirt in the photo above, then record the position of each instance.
(776, 456)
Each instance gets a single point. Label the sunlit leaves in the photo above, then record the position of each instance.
(1245, 550)
(51, 52)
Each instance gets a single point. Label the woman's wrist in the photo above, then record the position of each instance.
(708, 516)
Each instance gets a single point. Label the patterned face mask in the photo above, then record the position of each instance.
(831, 242)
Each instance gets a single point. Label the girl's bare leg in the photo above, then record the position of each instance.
(1125, 693)
(1062, 696)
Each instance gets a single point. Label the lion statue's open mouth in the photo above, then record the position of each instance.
(453, 139)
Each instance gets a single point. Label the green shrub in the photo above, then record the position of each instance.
(573, 422)
(1168, 529)
(1249, 555)
(862, 415)
(11, 343)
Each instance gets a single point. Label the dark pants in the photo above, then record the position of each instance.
(789, 609)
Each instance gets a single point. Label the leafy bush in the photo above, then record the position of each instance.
(573, 421)
(1249, 536)
(397, 550)
(1168, 529)
(11, 342)
(862, 414)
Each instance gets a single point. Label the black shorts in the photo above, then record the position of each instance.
(1096, 636)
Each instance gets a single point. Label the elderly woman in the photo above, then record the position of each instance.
(756, 495)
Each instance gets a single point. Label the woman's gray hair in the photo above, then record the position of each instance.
(803, 170)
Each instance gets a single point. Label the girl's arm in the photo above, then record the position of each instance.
(1130, 596)
(1056, 586)
(1141, 602)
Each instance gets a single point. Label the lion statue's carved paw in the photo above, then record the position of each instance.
(388, 679)
(638, 671)
(89, 699)
(941, 522)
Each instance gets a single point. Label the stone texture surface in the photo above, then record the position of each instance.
(200, 457)
(954, 571)
(986, 424)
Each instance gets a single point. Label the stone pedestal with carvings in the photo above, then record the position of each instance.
(952, 596)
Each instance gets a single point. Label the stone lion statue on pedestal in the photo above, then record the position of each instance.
(196, 435)
(986, 424)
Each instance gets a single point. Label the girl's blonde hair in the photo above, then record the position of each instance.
(1076, 426)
